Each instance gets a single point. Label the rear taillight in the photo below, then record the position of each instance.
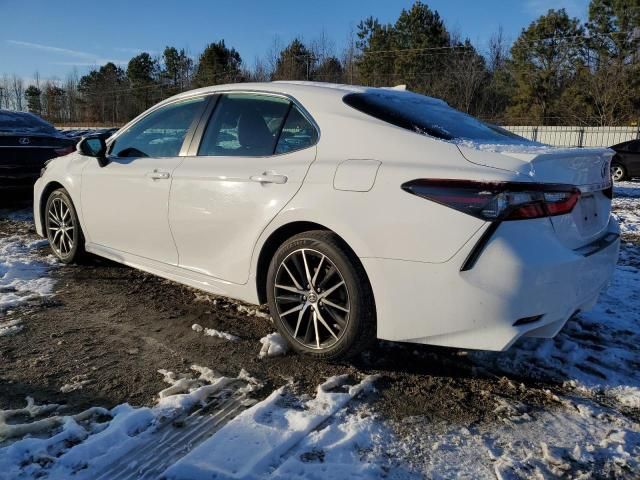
(497, 201)
(60, 152)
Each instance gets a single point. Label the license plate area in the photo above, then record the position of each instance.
(588, 209)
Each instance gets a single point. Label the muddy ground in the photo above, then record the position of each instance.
(114, 327)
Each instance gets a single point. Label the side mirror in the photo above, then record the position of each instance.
(94, 147)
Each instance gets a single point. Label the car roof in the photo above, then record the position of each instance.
(300, 90)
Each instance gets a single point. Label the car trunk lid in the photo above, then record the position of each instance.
(588, 169)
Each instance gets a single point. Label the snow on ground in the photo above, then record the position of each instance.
(249, 310)
(273, 345)
(77, 383)
(83, 446)
(575, 439)
(627, 189)
(283, 436)
(212, 332)
(23, 274)
(254, 443)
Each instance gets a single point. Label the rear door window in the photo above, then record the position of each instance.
(297, 133)
(246, 125)
(428, 116)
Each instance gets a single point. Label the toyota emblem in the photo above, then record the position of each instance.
(24, 141)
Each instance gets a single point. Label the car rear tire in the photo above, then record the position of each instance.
(63, 228)
(320, 297)
(618, 172)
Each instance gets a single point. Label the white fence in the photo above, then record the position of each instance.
(577, 136)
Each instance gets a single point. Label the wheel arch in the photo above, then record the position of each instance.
(44, 196)
(277, 238)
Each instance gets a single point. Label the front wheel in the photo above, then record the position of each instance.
(62, 227)
(319, 296)
(618, 173)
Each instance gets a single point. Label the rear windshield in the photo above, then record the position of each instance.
(428, 116)
(14, 121)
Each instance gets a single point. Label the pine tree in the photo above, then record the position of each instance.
(218, 64)
(295, 62)
(544, 61)
(34, 102)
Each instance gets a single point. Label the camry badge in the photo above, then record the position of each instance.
(24, 141)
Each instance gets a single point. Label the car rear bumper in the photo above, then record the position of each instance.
(525, 283)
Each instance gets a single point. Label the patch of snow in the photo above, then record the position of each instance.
(77, 383)
(255, 440)
(23, 275)
(211, 332)
(627, 211)
(252, 311)
(352, 445)
(576, 439)
(273, 345)
(249, 310)
(80, 446)
(627, 396)
(11, 327)
(517, 146)
(627, 189)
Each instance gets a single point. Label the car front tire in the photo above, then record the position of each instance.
(62, 227)
(320, 297)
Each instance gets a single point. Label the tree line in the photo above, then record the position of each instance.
(558, 71)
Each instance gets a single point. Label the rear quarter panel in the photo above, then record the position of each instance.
(385, 221)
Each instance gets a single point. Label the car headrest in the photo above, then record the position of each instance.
(253, 133)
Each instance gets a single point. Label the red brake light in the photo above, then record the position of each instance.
(497, 201)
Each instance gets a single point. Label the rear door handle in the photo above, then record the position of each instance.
(157, 175)
(268, 177)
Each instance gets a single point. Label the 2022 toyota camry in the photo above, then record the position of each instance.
(354, 212)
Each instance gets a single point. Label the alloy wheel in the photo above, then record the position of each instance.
(60, 227)
(617, 173)
(312, 299)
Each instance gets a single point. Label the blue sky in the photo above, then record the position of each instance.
(53, 38)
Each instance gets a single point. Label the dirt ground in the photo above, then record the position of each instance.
(113, 327)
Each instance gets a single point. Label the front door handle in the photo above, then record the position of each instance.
(269, 177)
(157, 175)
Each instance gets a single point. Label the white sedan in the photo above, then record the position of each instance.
(356, 213)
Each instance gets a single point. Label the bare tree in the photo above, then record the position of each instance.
(349, 60)
(273, 54)
(261, 72)
(18, 91)
(7, 94)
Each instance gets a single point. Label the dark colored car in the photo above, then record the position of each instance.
(26, 143)
(77, 135)
(626, 162)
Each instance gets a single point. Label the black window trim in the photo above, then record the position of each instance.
(206, 117)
